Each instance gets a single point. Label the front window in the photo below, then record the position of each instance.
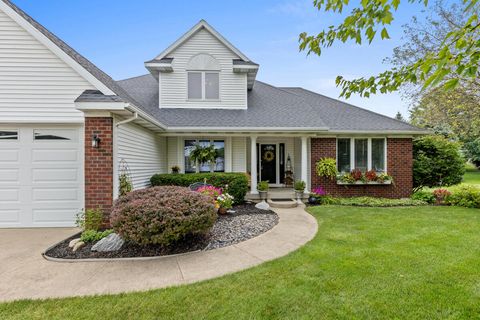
(219, 145)
(203, 85)
(368, 154)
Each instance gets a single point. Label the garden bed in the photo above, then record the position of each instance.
(247, 222)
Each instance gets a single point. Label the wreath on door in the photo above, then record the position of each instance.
(268, 156)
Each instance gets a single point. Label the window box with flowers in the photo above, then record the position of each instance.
(362, 161)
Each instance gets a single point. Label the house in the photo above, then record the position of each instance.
(67, 129)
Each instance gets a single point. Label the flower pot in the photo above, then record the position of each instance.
(263, 195)
(312, 200)
(299, 195)
(222, 211)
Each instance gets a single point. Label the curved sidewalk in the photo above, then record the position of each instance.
(25, 274)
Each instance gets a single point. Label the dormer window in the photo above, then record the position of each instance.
(203, 73)
(203, 85)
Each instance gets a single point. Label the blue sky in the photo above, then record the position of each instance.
(119, 35)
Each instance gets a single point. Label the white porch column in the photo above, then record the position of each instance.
(253, 164)
(304, 157)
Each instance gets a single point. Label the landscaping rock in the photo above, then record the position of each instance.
(249, 222)
(78, 245)
(262, 206)
(73, 242)
(112, 242)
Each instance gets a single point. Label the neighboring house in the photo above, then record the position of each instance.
(55, 105)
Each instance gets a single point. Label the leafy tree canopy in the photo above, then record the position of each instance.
(454, 59)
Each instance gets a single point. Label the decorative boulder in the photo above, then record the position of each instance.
(78, 245)
(112, 242)
(262, 206)
(73, 242)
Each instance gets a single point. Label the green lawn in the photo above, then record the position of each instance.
(368, 263)
(472, 176)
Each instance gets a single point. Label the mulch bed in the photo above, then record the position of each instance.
(247, 222)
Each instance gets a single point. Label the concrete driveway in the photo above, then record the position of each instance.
(25, 274)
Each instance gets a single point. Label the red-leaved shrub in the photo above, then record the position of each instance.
(162, 215)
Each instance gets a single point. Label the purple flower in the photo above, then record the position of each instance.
(319, 191)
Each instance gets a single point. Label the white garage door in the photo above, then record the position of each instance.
(41, 176)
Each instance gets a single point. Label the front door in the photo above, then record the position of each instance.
(268, 163)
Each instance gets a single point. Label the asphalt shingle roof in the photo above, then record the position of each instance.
(268, 106)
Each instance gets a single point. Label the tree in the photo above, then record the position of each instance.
(455, 111)
(399, 116)
(422, 37)
(436, 162)
(456, 58)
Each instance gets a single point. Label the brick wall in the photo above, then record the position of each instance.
(99, 164)
(399, 165)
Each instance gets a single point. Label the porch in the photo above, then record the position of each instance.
(279, 159)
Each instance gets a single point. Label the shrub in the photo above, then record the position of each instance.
(436, 162)
(90, 219)
(441, 194)
(425, 196)
(162, 215)
(464, 196)
(93, 236)
(235, 184)
(379, 202)
(327, 167)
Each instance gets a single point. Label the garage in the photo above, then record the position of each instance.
(41, 175)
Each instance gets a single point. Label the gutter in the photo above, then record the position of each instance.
(134, 117)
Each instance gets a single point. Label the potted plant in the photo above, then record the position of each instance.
(175, 169)
(201, 155)
(299, 187)
(225, 203)
(316, 194)
(262, 188)
(327, 167)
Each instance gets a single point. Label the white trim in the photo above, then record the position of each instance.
(200, 25)
(253, 165)
(116, 163)
(107, 106)
(55, 49)
(248, 129)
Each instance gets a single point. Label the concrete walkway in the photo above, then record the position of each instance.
(25, 274)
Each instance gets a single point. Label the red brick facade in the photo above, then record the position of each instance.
(399, 165)
(99, 164)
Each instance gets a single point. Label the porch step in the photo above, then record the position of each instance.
(282, 203)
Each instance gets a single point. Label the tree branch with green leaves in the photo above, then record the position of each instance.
(456, 58)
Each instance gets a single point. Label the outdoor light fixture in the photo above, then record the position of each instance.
(95, 141)
(289, 163)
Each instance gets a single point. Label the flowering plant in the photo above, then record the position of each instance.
(225, 201)
(210, 191)
(441, 194)
(319, 191)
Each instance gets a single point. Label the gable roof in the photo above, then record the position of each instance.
(202, 24)
(99, 79)
(269, 109)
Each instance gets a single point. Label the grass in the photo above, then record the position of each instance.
(472, 175)
(364, 263)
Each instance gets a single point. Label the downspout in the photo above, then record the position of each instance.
(134, 117)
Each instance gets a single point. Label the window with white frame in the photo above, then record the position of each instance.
(361, 153)
(203, 85)
(219, 145)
